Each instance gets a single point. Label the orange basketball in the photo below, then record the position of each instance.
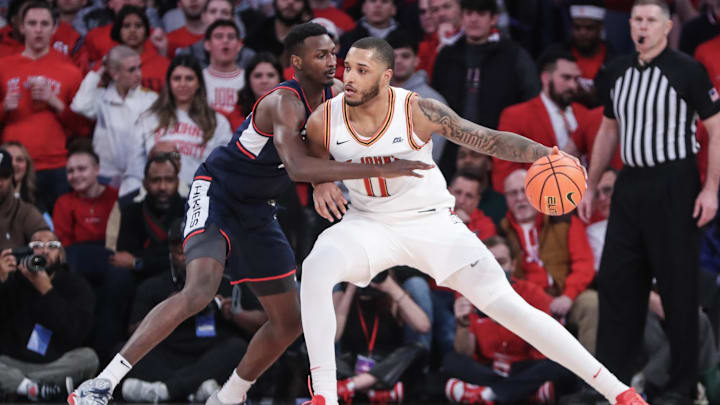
(555, 184)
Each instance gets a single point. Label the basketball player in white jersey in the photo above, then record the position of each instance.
(408, 220)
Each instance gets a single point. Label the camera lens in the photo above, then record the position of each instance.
(34, 263)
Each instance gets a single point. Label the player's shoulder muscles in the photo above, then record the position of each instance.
(286, 110)
(431, 116)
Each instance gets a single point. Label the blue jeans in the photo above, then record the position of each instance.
(419, 290)
(444, 320)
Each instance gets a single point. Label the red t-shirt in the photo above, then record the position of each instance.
(154, 68)
(481, 225)
(495, 343)
(97, 44)
(79, 219)
(65, 38)
(427, 52)
(589, 66)
(8, 44)
(36, 125)
(180, 38)
(340, 18)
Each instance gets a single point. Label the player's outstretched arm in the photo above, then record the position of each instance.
(309, 161)
(432, 116)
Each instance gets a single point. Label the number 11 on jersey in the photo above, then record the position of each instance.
(376, 187)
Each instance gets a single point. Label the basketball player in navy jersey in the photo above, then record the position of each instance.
(231, 220)
(409, 221)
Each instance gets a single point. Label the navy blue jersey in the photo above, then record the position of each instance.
(249, 167)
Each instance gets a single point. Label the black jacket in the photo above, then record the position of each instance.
(507, 76)
(145, 235)
(359, 32)
(66, 311)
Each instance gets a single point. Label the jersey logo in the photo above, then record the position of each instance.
(570, 198)
(397, 140)
(340, 143)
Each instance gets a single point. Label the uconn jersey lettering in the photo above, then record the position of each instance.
(395, 139)
(249, 167)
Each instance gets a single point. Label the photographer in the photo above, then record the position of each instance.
(375, 353)
(18, 219)
(45, 315)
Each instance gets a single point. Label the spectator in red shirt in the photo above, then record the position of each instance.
(554, 254)
(81, 215)
(37, 87)
(132, 28)
(491, 364)
(465, 187)
(262, 74)
(11, 39)
(97, 41)
(446, 16)
(194, 29)
(66, 39)
(327, 9)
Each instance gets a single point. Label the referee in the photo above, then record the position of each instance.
(657, 208)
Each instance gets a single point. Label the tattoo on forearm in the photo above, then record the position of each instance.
(503, 145)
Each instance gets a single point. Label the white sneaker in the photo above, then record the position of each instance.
(134, 390)
(205, 391)
(214, 400)
(97, 391)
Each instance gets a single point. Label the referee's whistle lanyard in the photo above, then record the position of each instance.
(370, 339)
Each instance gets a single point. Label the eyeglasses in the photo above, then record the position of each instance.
(52, 244)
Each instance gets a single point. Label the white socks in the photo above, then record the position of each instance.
(116, 370)
(234, 390)
(324, 382)
(488, 289)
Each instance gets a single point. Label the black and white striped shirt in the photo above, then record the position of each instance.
(657, 105)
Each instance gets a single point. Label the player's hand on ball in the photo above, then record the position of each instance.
(329, 201)
(402, 167)
(556, 151)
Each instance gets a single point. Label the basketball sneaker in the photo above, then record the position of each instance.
(214, 400)
(49, 392)
(314, 399)
(395, 394)
(630, 397)
(344, 392)
(461, 392)
(97, 391)
(545, 394)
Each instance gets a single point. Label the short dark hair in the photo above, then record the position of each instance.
(399, 39)
(299, 33)
(498, 240)
(221, 23)
(82, 150)
(480, 5)
(125, 11)
(547, 62)
(660, 3)
(160, 158)
(383, 51)
(37, 4)
(472, 175)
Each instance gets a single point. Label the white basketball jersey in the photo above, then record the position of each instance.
(394, 140)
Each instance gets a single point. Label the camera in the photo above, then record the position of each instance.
(25, 257)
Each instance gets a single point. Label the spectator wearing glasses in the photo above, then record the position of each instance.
(45, 316)
(18, 219)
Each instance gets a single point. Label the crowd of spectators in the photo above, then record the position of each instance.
(110, 106)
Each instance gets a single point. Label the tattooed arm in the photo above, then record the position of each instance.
(432, 116)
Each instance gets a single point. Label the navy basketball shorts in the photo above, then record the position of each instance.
(245, 236)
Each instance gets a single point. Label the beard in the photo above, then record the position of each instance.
(561, 99)
(587, 48)
(291, 20)
(365, 96)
